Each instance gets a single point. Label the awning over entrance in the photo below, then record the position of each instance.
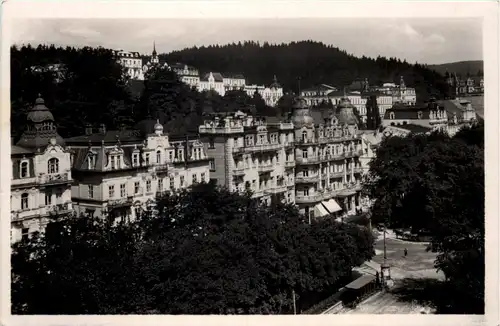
(332, 206)
(320, 211)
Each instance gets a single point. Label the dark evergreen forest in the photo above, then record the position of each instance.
(313, 62)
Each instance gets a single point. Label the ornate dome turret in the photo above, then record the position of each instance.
(275, 83)
(301, 115)
(40, 129)
(346, 112)
(158, 127)
(40, 112)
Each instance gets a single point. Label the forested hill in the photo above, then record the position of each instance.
(314, 62)
(463, 68)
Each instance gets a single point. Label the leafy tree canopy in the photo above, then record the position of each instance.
(206, 251)
(436, 183)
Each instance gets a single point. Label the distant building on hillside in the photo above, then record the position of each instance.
(188, 74)
(400, 93)
(270, 94)
(469, 86)
(153, 62)
(448, 116)
(212, 81)
(132, 62)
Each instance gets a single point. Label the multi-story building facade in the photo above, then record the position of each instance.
(132, 62)
(465, 86)
(233, 81)
(188, 74)
(317, 163)
(212, 81)
(247, 153)
(119, 173)
(399, 93)
(448, 116)
(270, 95)
(317, 95)
(41, 174)
(328, 171)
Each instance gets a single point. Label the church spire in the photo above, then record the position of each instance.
(154, 48)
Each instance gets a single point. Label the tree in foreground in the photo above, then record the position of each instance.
(436, 183)
(205, 251)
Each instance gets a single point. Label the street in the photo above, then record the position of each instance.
(415, 270)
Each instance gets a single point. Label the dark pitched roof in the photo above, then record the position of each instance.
(407, 112)
(414, 128)
(234, 76)
(111, 136)
(217, 77)
(18, 150)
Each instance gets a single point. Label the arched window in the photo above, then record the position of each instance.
(158, 156)
(53, 165)
(24, 170)
(24, 201)
(304, 136)
(391, 115)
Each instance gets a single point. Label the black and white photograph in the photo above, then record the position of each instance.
(249, 165)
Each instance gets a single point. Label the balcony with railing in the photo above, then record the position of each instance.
(307, 179)
(265, 167)
(54, 178)
(162, 168)
(59, 209)
(121, 202)
(220, 129)
(307, 161)
(354, 153)
(262, 147)
(289, 164)
(307, 199)
(239, 171)
(286, 126)
(289, 144)
(276, 189)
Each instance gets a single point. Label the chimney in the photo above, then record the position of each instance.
(102, 128)
(88, 129)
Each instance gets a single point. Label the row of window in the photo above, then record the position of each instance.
(25, 199)
(117, 159)
(137, 186)
(52, 168)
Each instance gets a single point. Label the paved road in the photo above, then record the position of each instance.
(419, 264)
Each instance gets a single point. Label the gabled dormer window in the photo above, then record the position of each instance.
(391, 115)
(24, 169)
(147, 158)
(419, 114)
(135, 159)
(91, 161)
(158, 157)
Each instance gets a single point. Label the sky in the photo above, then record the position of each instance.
(422, 40)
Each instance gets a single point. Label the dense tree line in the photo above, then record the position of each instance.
(313, 62)
(435, 184)
(89, 86)
(205, 251)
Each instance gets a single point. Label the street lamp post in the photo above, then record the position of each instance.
(385, 269)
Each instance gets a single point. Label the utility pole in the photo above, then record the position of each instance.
(294, 305)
